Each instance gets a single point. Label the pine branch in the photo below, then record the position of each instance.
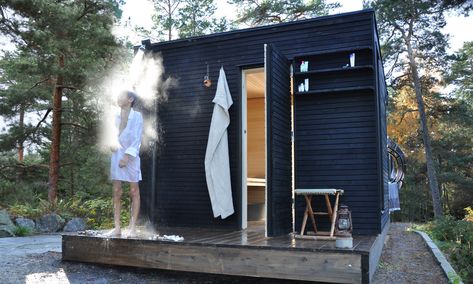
(68, 87)
(38, 83)
(41, 121)
(74, 124)
(404, 114)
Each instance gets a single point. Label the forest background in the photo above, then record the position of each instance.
(49, 156)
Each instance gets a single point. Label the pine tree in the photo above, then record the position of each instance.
(461, 71)
(195, 18)
(414, 44)
(19, 98)
(260, 12)
(166, 16)
(70, 40)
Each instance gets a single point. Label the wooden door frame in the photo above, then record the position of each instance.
(244, 146)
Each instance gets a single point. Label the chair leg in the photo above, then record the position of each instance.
(334, 217)
(304, 220)
(329, 207)
(311, 213)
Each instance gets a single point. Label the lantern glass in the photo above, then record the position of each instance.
(343, 222)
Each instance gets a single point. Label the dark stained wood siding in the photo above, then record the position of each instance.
(383, 150)
(335, 147)
(278, 142)
(180, 195)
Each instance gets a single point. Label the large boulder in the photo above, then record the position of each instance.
(74, 225)
(49, 223)
(25, 223)
(6, 225)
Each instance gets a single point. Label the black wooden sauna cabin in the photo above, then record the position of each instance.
(339, 124)
(284, 135)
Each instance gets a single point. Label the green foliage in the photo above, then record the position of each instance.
(469, 214)
(188, 18)
(455, 238)
(26, 210)
(416, 26)
(260, 12)
(21, 231)
(221, 25)
(98, 212)
(166, 17)
(194, 17)
(460, 73)
(80, 32)
(23, 91)
(454, 278)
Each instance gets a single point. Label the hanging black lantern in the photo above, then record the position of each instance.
(343, 223)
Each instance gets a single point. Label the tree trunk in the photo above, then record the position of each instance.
(74, 140)
(431, 172)
(21, 126)
(56, 136)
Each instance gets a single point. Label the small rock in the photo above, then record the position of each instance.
(26, 223)
(6, 231)
(6, 225)
(49, 223)
(5, 218)
(74, 225)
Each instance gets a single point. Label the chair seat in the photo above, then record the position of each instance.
(318, 191)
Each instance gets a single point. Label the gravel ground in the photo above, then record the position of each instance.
(49, 268)
(405, 259)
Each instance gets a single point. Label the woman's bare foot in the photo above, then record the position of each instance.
(131, 232)
(116, 232)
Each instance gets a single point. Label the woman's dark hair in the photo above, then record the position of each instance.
(134, 96)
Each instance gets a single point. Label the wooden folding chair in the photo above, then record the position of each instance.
(309, 212)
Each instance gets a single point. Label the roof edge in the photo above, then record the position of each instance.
(150, 45)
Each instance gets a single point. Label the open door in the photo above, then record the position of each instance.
(278, 142)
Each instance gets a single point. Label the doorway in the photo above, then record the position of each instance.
(253, 148)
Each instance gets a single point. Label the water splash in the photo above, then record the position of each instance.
(145, 76)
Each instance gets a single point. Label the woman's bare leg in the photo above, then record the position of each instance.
(135, 207)
(117, 194)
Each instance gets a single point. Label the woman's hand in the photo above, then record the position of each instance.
(124, 161)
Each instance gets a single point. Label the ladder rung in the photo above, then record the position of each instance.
(320, 213)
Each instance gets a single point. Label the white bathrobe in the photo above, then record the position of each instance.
(217, 161)
(129, 142)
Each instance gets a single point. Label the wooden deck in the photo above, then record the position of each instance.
(243, 253)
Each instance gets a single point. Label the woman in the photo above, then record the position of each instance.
(125, 161)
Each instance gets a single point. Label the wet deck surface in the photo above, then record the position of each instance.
(242, 253)
(254, 236)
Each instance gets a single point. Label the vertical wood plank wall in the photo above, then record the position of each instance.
(180, 196)
(255, 138)
(278, 142)
(336, 148)
(256, 148)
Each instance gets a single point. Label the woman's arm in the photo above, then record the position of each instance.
(134, 149)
